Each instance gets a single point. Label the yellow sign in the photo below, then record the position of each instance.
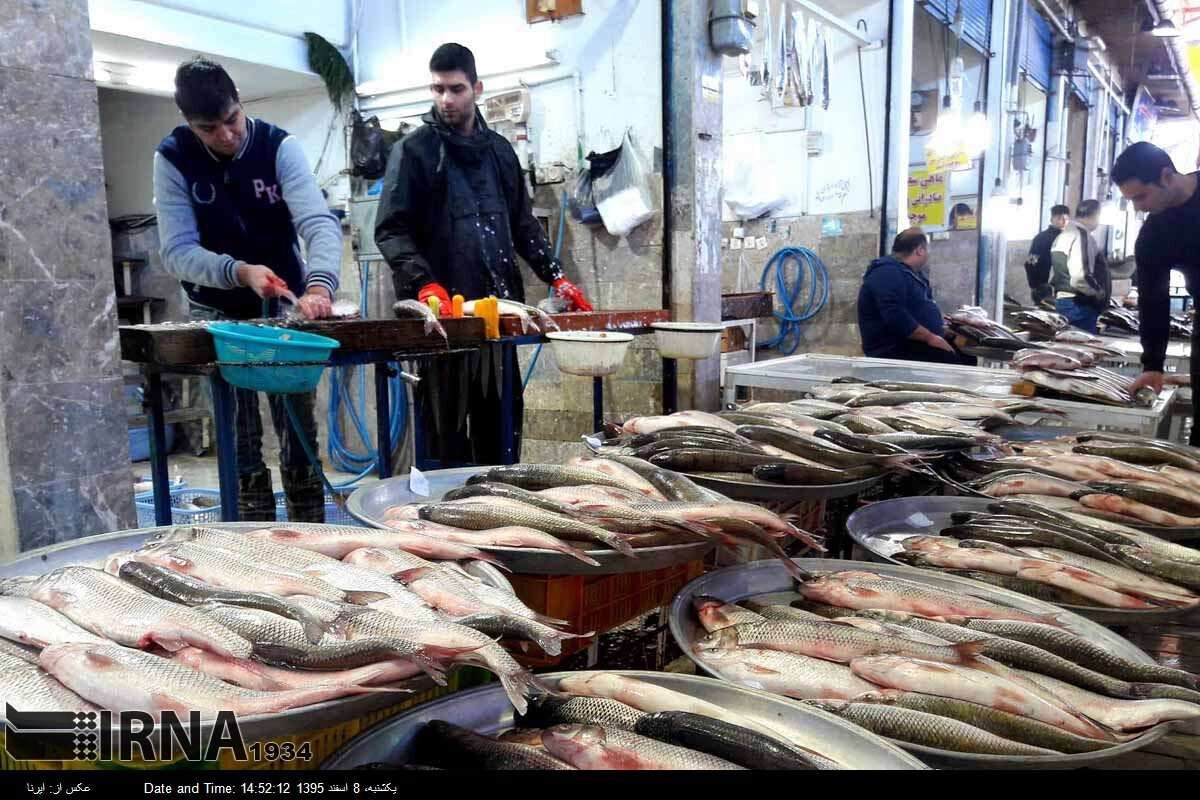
(955, 162)
(927, 192)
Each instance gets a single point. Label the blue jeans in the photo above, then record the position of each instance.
(1078, 314)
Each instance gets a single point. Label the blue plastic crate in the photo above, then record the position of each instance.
(180, 514)
(333, 514)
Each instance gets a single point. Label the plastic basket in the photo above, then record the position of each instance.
(598, 603)
(180, 515)
(333, 514)
(295, 358)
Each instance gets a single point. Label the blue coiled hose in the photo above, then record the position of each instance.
(789, 271)
(341, 455)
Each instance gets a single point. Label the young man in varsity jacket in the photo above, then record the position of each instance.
(234, 196)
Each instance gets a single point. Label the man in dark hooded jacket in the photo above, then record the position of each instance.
(897, 315)
(453, 217)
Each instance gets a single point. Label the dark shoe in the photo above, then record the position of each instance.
(305, 494)
(256, 498)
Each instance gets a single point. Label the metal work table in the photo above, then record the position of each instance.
(801, 372)
(187, 348)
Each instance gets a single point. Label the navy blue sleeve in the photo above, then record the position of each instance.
(1154, 297)
(890, 292)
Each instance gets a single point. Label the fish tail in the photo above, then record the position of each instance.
(314, 628)
(579, 555)
(969, 651)
(364, 598)
(542, 618)
(428, 666)
(620, 545)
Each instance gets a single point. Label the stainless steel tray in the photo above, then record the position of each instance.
(880, 527)
(779, 492)
(93, 551)
(487, 711)
(735, 584)
(369, 503)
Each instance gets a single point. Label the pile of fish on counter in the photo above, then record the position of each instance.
(258, 622)
(1067, 367)
(1061, 558)
(602, 721)
(618, 502)
(1104, 475)
(973, 325)
(1039, 323)
(933, 667)
(844, 432)
(1118, 320)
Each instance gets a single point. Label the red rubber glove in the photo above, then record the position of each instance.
(572, 294)
(438, 291)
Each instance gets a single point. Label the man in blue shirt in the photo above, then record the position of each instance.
(897, 316)
(234, 197)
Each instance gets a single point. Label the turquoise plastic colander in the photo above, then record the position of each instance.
(296, 358)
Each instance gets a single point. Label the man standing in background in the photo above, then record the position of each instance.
(1082, 286)
(1037, 266)
(234, 195)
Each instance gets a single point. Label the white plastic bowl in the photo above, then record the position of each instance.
(590, 353)
(691, 340)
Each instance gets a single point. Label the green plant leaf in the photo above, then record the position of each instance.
(325, 60)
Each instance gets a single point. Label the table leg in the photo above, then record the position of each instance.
(508, 444)
(597, 404)
(158, 450)
(224, 412)
(670, 387)
(383, 420)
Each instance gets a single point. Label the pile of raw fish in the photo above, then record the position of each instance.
(605, 721)
(930, 666)
(1103, 475)
(1070, 369)
(259, 622)
(613, 502)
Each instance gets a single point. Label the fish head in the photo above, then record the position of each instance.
(829, 706)
(719, 639)
(176, 533)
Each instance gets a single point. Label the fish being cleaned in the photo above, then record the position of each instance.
(506, 307)
(255, 675)
(27, 687)
(976, 686)
(929, 730)
(109, 607)
(878, 592)
(112, 676)
(179, 588)
(33, 623)
(594, 748)
(822, 639)
(448, 746)
(414, 308)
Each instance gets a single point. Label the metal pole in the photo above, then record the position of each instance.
(383, 421)
(224, 413)
(508, 365)
(900, 101)
(158, 450)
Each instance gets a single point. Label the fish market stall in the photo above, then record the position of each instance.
(798, 374)
(902, 661)
(628, 717)
(311, 730)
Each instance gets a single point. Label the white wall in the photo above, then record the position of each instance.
(615, 47)
(837, 181)
(132, 125)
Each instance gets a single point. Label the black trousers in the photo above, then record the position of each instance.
(459, 409)
(1194, 437)
(919, 351)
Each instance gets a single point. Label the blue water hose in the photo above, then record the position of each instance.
(789, 271)
(341, 455)
(558, 239)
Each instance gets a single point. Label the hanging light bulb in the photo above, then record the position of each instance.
(976, 134)
(947, 136)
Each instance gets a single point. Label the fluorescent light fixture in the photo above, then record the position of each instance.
(408, 74)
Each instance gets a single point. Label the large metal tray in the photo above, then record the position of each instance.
(369, 503)
(880, 527)
(93, 551)
(735, 584)
(486, 710)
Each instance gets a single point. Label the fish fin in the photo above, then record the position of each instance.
(99, 660)
(278, 654)
(314, 629)
(171, 644)
(364, 598)
(761, 670)
(969, 651)
(620, 546)
(284, 533)
(410, 575)
(428, 666)
(162, 701)
(545, 620)
(579, 555)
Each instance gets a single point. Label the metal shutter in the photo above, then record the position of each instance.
(1037, 48)
(977, 19)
